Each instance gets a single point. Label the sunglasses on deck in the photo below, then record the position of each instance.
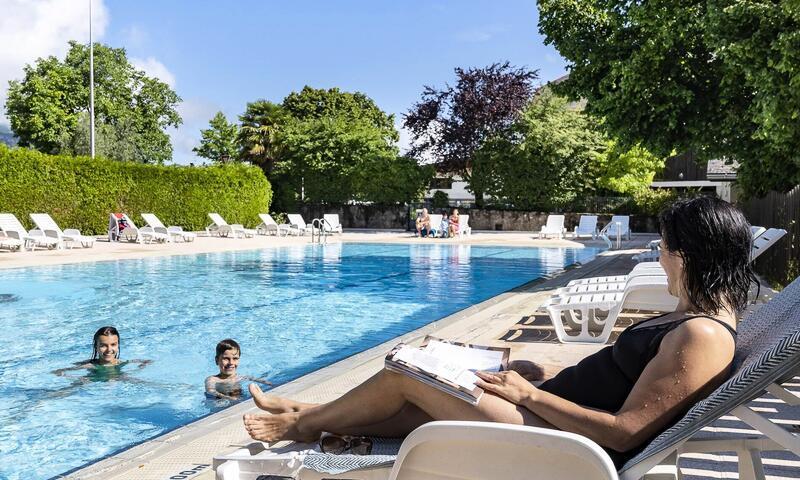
(345, 444)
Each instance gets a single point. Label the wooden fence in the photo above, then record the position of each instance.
(781, 263)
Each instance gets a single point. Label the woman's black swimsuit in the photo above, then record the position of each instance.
(604, 380)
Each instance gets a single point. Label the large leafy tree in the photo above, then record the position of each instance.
(550, 158)
(451, 124)
(45, 108)
(219, 142)
(719, 78)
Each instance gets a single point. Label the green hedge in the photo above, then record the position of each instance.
(79, 192)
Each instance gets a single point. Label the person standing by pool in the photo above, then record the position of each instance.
(423, 223)
(105, 362)
(454, 223)
(227, 383)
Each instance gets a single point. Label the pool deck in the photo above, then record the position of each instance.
(509, 319)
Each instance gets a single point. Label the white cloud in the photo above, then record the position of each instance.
(31, 29)
(480, 34)
(135, 36)
(154, 68)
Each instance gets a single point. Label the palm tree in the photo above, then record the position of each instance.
(261, 124)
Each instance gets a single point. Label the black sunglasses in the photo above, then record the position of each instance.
(337, 445)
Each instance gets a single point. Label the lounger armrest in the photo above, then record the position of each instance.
(163, 230)
(72, 232)
(174, 229)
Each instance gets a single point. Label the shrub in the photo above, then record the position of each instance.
(80, 192)
(440, 199)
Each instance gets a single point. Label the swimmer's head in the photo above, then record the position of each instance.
(227, 357)
(106, 345)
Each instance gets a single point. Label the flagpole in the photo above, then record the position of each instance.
(91, 84)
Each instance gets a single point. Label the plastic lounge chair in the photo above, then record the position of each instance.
(298, 225)
(68, 237)
(483, 450)
(554, 226)
(12, 228)
(587, 226)
(436, 224)
(331, 223)
(653, 254)
(756, 231)
(10, 243)
(581, 310)
(172, 232)
(463, 226)
(268, 224)
(223, 229)
(611, 231)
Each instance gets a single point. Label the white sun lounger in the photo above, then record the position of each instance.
(463, 226)
(298, 225)
(331, 223)
(12, 228)
(172, 232)
(587, 227)
(436, 224)
(654, 252)
(223, 229)
(268, 224)
(554, 226)
(619, 226)
(67, 238)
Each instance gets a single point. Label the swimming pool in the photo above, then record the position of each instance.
(292, 309)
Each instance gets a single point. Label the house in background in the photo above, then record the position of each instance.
(682, 172)
(454, 187)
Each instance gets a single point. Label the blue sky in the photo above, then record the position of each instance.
(221, 55)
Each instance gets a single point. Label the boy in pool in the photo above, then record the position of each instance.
(105, 355)
(227, 383)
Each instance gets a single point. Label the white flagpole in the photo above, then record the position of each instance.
(91, 84)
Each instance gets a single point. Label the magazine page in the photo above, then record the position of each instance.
(435, 365)
(467, 358)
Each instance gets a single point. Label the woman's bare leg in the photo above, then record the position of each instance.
(377, 400)
(275, 404)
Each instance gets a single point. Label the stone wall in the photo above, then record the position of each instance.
(396, 217)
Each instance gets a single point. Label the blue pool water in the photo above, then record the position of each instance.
(292, 309)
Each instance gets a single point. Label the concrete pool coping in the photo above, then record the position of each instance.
(189, 449)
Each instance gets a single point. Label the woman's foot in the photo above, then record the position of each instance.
(272, 428)
(272, 403)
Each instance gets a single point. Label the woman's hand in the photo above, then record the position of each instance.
(528, 370)
(509, 385)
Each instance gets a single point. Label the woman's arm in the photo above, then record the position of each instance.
(692, 359)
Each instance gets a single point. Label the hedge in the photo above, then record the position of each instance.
(79, 192)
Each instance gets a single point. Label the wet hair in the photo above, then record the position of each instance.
(713, 238)
(104, 331)
(225, 345)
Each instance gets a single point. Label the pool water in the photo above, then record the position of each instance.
(292, 309)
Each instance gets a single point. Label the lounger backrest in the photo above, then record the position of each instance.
(767, 351)
(555, 222)
(766, 240)
(624, 222)
(436, 220)
(297, 220)
(463, 221)
(587, 223)
(332, 219)
(217, 219)
(267, 219)
(756, 231)
(44, 222)
(152, 220)
(9, 223)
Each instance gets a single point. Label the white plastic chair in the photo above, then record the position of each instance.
(12, 228)
(67, 238)
(223, 229)
(298, 225)
(436, 224)
(331, 223)
(485, 450)
(172, 232)
(463, 226)
(554, 226)
(618, 227)
(268, 224)
(587, 226)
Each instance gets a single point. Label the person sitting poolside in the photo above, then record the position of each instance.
(454, 223)
(444, 227)
(227, 383)
(620, 397)
(423, 223)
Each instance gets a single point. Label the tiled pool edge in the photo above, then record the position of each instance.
(135, 457)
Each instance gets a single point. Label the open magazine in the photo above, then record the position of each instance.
(448, 366)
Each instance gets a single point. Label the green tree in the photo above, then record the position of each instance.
(545, 162)
(220, 142)
(45, 108)
(626, 171)
(719, 78)
(258, 134)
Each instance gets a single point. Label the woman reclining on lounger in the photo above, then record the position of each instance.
(620, 397)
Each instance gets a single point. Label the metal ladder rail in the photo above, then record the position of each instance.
(318, 225)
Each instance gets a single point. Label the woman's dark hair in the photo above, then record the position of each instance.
(104, 331)
(225, 345)
(714, 240)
